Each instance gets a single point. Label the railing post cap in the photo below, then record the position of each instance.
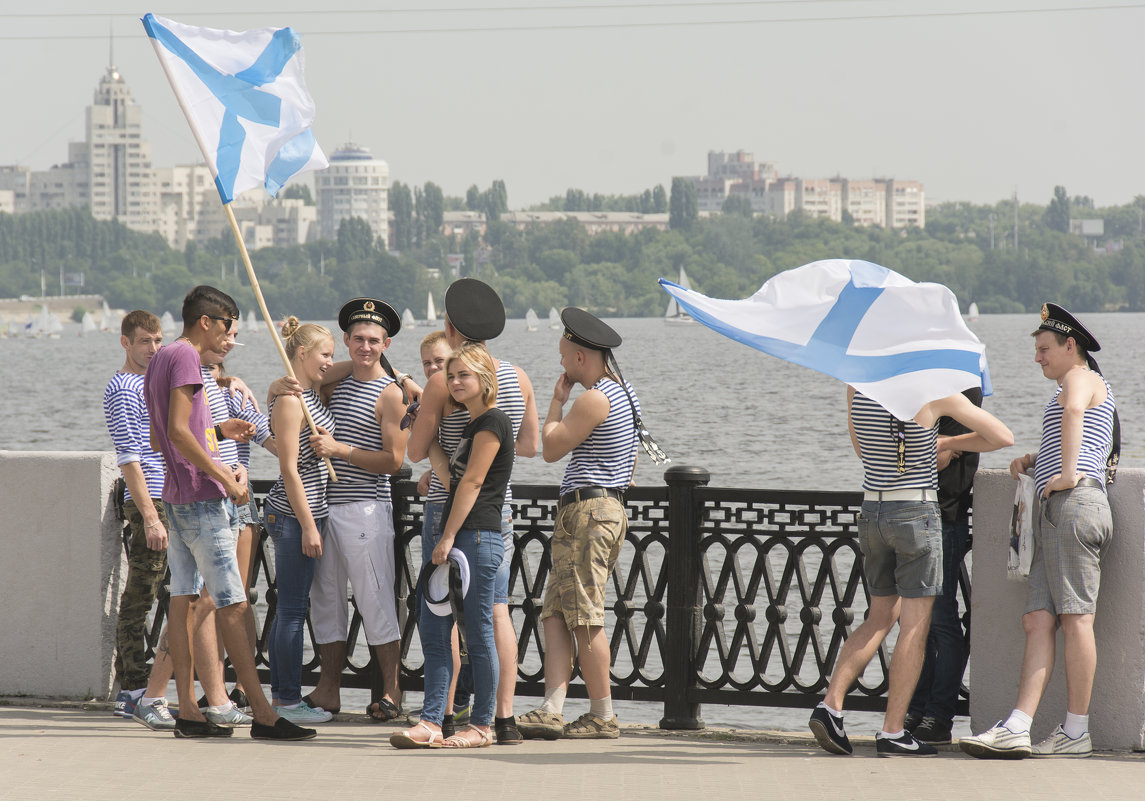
(687, 473)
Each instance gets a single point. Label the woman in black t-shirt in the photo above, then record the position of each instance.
(479, 473)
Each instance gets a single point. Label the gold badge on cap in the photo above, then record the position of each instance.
(1045, 313)
(369, 306)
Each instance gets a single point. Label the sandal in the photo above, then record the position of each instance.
(507, 731)
(459, 740)
(383, 710)
(404, 740)
(310, 703)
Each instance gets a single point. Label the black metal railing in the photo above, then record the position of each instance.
(729, 596)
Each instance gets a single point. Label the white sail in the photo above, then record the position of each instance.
(32, 327)
(87, 325)
(106, 321)
(167, 322)
(408, 318)
(555, 319)
(430, 311)
(973, 311)
(251, 321)
(674, 314)
(531, 321)
(54, 326)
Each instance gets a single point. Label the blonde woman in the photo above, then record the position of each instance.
(295, 510)
(479, 472)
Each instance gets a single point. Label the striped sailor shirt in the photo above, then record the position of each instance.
(877, 431)
(607, 456)
(1096, 440)
(125, 412)
(353, 405)
(311, 469)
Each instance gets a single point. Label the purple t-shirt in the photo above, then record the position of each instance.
(177, 365)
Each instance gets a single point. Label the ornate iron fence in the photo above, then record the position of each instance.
(729, 596)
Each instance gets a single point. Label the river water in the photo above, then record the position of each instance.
(750, 419)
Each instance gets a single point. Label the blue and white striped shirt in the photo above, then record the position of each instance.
(217, 403)
(353, 404)
(1096, 440)
(510, 400)
(311, 469)
(129, 426)
(247, 412)
(877, 429)
(606, 456)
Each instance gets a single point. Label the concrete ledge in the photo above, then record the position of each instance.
(1117, 712)
(61, 573)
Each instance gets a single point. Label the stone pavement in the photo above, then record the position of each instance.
(89, 755)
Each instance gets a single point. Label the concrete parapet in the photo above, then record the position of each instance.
(60, 577)
(1117, 712)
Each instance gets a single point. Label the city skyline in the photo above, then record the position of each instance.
(974, 104)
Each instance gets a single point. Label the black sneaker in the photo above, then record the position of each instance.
(912, 721)
(828, 731)
(932, 732)
(905, 746)
(200, 728)
(282, 729)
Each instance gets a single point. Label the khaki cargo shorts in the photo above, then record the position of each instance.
(585, 546)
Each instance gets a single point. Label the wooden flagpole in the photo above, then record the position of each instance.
(270, 323)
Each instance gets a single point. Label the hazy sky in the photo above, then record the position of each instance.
(972, 97)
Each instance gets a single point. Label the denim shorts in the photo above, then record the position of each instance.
(201, 551)
(501, 583)
(902, 548)
(1073, 529)
(245, 515)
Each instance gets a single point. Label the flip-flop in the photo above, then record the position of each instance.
(383, 710)
(306, 699)
(459, 741)
(402, 739)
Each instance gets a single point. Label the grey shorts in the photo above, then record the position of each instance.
(902, 548)
(1073, 530)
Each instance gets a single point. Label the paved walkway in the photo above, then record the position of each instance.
(89, 755)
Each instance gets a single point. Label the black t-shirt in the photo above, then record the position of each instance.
(957, 480)
(486, 511)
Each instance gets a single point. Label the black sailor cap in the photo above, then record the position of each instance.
(369, 310)
(584, 329)
(475, 309)
(1055, 318)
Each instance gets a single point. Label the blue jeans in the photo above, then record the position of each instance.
(294, 572)
(501, 590)
(430, 525)
(936, 695)
(484, 551)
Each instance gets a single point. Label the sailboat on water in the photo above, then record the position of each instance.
(87, 325)
(430, 312)
(251, 321)
(167, 323)
(106, 321)
(531, 321)
(408, 318)
(674, 314)
(555, 319)
(972, 312)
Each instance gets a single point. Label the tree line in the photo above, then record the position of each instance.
(969, 248)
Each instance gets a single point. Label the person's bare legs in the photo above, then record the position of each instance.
(247, 552)
(861, 647)
(594, 658)
(162, 667)
(327, 692)
(455, 648)
(1038, 659)
(179, 638)
(208, 652)
(906, 662)
(230, 622)
(558, 653)
(388, 655)
(506, 641)
(1080, 661)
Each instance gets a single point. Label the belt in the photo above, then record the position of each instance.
(1087, 481)
(901, 495)
(587, 493)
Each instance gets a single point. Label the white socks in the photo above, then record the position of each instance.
(1018, 722)
(1075, 725)
(144, 701)
(601, 707)
(218, 710)
(837, 713)
(554, 701)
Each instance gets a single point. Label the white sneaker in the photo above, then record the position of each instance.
(155, 716)
(997, 742)
(1060, 744)
(231, 716)
(303, 713)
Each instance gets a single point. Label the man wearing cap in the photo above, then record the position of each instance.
(358, 536)
(1073, 529)
(600, 431)
(474, 313)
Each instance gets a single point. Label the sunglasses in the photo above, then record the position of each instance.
(411, 413)
(230, 321)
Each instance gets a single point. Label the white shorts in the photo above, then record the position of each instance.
(357, 544)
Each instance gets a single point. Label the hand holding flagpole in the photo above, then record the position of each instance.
(245, 99)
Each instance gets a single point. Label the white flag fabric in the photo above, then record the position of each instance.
(900, 343)
(246, 100)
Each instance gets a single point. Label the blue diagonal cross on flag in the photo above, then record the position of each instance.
(900, 343)
(246, 100)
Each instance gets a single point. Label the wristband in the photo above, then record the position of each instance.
(402, 378)
(153, 524)
(219, 433)
(349, 454)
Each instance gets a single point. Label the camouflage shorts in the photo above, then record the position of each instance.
(586, 544)
(145, 571)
